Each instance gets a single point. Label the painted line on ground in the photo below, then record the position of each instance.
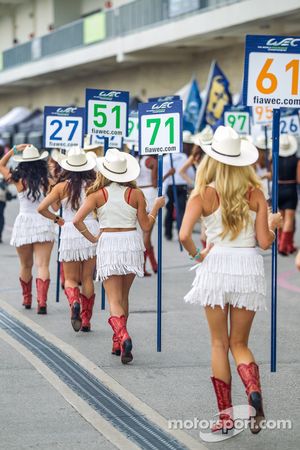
(141, 407)
(284, 283)
(86, 411)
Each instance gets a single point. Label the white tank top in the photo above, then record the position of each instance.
(116, 212)
(68, 212)
(28, 205)
(214, 228)
(145, 176)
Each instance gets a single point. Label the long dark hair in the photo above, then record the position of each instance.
(76, 181)
(34, 177)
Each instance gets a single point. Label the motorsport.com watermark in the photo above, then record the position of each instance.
(239, 424)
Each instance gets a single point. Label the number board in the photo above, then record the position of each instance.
(271, 71)
(107, 112)
(262, 115)
(238, 117)
(133, 129)
(289, 122)
(160, 127)
(63, 127)
(167, 98)
(113, 142)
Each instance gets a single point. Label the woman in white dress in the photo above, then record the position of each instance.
(32, 235)
(76, 253)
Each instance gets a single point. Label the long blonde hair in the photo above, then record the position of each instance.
(232, 184)
(102, 182)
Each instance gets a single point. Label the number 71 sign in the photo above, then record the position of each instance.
(63, 126)
(160, 127)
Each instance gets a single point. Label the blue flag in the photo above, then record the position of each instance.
(217, 97)
(190, 95)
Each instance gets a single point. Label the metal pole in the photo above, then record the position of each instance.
(159, 255)
(267, 158)
(174, 188)
(58, 262)
(106, 147)
(276, 134)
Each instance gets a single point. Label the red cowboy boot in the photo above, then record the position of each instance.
(26, 292)
(73, 296)
(290, 242)
(249, 374)
(152, 259)
(146, 274)
(116, 347)
(62, 276)
(223, 394)
(118, 325)
(42, 287)
(86, 311)
(283, 244)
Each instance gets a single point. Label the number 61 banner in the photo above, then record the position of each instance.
(160, 127)
(63, 127)
(271, 77)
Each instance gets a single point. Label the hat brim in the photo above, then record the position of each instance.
(198, 141)
(291, 150)
(86, 148)
(132, 172)
(19, 158)
(248, 156)
(89, 165)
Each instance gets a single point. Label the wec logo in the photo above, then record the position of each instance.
(109, 94)
(163, 105)
(69, 110)
(293, 42)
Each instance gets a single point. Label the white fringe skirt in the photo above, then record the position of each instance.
(120, 253)
(74, 246)
(230, 275)
(30, 228)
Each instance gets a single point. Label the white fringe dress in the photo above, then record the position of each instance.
(232, 272)
(30, 227)
(119, 253)
(73, 245)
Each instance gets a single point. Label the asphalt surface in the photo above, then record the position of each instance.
(175, 382)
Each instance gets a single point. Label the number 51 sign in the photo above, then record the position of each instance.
(160, 127)
(272, 68)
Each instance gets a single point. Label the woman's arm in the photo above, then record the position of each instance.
(192, 214)
(266, 223)
(89, 205)
(145, 220)
(52, 198)
(152, 164)
(4, 161)
(182, 172)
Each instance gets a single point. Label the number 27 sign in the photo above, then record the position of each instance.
(272, 71)
(63, 126)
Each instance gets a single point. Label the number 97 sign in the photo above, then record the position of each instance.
(272, 67)
(160, 128)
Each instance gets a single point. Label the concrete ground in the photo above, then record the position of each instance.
(175, 382)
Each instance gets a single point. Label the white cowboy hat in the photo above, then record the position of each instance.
(228, 148)
(77, 161)
(118, 166)
(287, 145)
(29, 154)
(57, 155)
(260, 142)
(187, 137)
(205, 137)
(88, 143)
